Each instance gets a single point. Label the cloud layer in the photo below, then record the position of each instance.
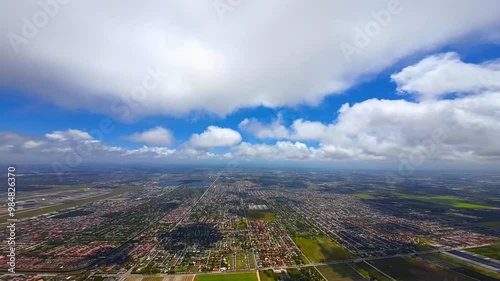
(154, 136)
(214, 137)
(462, 129)
(438, 75)
(176, 57)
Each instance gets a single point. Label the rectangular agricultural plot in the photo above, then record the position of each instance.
(309, 273)
(492, 251)
(367, 270)
(261, 215)
(249, 276)
(365, 196)
(450, 201)
(152, 279)
(321, 249)
(339, 272)
(466, 268)
(267, 275)
(169, 278)
(416, 269)
(490, 224)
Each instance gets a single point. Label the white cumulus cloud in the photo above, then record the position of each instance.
(461, 129)
(276, 130)
(464, 128)
(214, 136)
(441, 74)
(154, 136)
(174, 57)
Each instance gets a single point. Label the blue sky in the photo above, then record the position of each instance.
(30, 115)
(234, 88)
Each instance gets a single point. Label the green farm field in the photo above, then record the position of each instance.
(468, 267)
(152, 279)
(320, 249)
(416, 269)
(267, 275)
(342, 272)
(446, 201)
(492, 251)
(365, 196)
(249, 276)
(490, 224)
(260, 215)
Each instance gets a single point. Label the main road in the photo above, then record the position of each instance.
(378, 258)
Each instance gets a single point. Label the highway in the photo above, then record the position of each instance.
(378, 258)
(332, 262)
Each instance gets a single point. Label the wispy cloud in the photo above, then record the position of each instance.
(154, 136)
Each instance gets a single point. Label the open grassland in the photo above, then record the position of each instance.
(249, 276)
(240, 260)
(457, 268)
(466, 205)
(474, 274)
(260, 215)
(45, 210)
(320, 249)
(492, 251)
(295, 274)
(151, 278)
(368, 271)
(164, 278)
(490, 224)
(463, 266)
(251, 259)
(423, 244)
(267, 275)
(241, 225)
(364, 196)
(446, 201)
(416, 269)
(342, 272)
